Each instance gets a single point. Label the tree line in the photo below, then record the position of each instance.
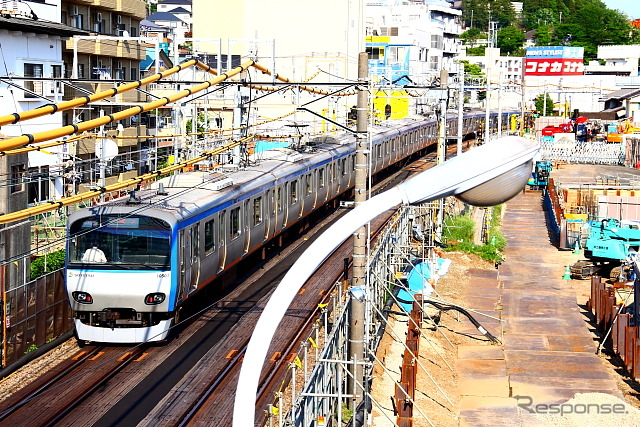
(585, 23)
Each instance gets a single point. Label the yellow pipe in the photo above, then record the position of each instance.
(78, 102)
(94, 193)
(20, 141)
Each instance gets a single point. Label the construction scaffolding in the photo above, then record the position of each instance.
(407, 239)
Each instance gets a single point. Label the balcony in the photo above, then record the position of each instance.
(107, 4)
(88, 145)
(135, 8)
(113, 48)
(130, 49)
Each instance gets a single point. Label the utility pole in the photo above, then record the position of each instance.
(487, 125)
(442, 143)
(522, 105)
(103, 162)
(460, 109)
(499, 105)
(358, 312)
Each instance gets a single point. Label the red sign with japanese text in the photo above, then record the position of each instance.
(554, 67)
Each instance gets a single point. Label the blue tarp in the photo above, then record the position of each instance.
(268, 145)
(417, 280)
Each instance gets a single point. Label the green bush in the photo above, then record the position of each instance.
(459, 233)
(54, 261)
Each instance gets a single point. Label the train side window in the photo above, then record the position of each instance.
(195, 250)
(234, 223)
(279, 199)
(321, 178)
(353, 163)
(379, 151)
(309, 181)
(209, 237)
(343, 167)
(293, 186)
(386, 148)
(257, 211)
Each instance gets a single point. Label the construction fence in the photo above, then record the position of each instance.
(607, 302)
(33, 314)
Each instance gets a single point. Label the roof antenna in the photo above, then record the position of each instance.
(133, 200)
(161, 190)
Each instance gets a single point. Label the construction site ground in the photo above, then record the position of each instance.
(546, 372)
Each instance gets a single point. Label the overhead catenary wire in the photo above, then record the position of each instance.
(51, 205)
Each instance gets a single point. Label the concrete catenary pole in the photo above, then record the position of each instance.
(460, 109)
(357, 322)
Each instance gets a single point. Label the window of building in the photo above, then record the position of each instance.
(81, 71)
(121, 71)
(375, 52)
(434, 63)
(436, 41)
(257, 211)
(77, 20)
(35, 86)
(234, 223)
(97, 22)
(133, 31)
(209, 237)
(17, 175)
(37, 180)
(134, 73)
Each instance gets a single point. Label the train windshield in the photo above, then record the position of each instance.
(138, 242)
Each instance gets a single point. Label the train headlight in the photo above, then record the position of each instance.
(155, 298)
(82, 297)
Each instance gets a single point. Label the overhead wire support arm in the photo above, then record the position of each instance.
(81, 89)
(355, 132)
(330, 94)
(267, 94)
(24, 89)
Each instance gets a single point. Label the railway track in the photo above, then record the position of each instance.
(59, 392)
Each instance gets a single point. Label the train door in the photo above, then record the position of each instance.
(269, 213)
(280, 209)
(235, 242)
(245, 225)
(185, 261)
(317, 189)
(222, 235)
(195, 255)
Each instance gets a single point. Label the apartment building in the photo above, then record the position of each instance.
(110, 54)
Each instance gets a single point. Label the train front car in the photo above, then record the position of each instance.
(118, 275)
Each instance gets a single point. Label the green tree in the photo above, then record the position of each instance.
(509, 39)
(201, 124)
(502, 11)
(476, 13)
(476, 51)
(543, 36)
(541, 17)
(471, 69)
(472, 35)
(47, 263)
(540, 104)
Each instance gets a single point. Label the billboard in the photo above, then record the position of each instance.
(554, 61)
(554, 67)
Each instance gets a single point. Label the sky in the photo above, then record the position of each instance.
(629, 7)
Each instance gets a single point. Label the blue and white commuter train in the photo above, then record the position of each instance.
(180, 235)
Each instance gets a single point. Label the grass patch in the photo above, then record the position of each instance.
(459, 231)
